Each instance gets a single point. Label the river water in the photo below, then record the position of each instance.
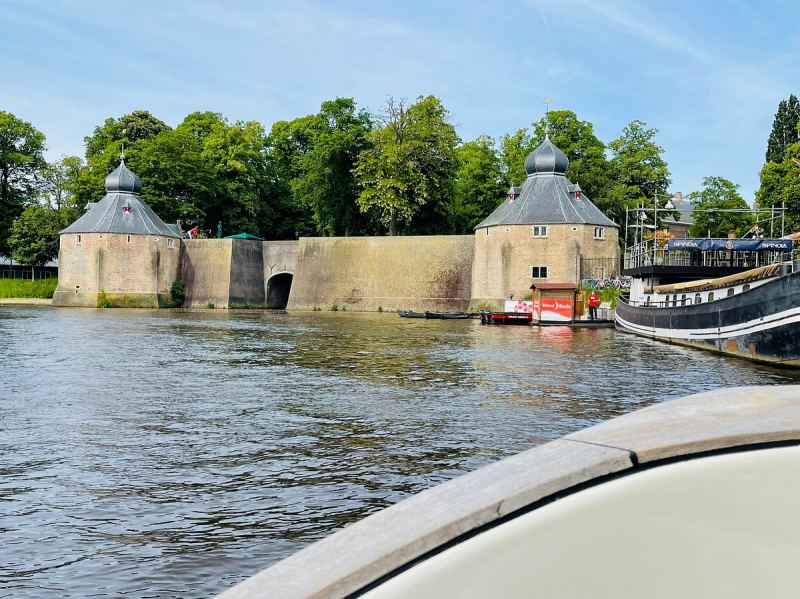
(158, 454)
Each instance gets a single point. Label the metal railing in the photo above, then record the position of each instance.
(643, 254)
(35, 275)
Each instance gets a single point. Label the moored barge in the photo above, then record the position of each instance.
(748, 307)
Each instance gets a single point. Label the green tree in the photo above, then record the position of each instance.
(287, 144)
(639, 171)
(325, 182)
(34, 234)
(480, 183)
(57, 188)
(179, 183)
(514, 149)
(104, 147)
(237, 154)
(128, 129)
(780, 186)
(718, 194)
(784, 129)
(407, 175)
(21, 160)
(587, 156)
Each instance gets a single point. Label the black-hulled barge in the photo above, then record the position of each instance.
(739, 297)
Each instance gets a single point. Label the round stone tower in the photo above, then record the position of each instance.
(119, 251)
(546, 230)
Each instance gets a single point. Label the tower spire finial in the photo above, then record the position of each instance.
(546, 120)
(122, 152)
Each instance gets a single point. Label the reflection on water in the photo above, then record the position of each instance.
(173, 454)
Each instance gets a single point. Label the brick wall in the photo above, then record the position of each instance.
(141, 268)
(504, 256)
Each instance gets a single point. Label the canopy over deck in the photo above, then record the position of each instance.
(738, 245)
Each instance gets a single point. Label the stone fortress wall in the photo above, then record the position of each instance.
(233, 273)
(120, 252)
(437, 272)
(504, 256)
(392, 273)
(132, 270)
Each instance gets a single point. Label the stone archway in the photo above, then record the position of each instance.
(278, 288)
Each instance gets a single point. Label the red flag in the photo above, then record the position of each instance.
(193, 233)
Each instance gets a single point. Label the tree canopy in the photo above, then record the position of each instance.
(480, 184)
(718, 194)
(21, 161)
(587, 154)
(340, 171)
(406, 175)
(785, 130)
(34, 234)
(325, 183)
(639, 172)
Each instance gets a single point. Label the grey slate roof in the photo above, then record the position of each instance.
(684, 207)
(121, 210)
(547, 196)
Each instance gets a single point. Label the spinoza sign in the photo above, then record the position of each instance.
(738, 245)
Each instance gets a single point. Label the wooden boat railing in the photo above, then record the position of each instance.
(354, 558)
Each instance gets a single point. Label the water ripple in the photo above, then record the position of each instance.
(164, 454)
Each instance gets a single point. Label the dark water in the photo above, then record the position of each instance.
(157, 454)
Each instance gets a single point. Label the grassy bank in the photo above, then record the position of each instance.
(21, 288)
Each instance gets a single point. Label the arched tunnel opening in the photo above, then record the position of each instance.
(278, 288)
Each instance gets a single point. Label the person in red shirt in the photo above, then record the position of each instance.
(594, 301)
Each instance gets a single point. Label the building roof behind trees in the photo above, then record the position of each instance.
(547, 196)
(121, 210)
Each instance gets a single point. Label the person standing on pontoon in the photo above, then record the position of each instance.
(594, 301)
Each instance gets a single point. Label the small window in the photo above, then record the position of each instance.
(539, 231)
(675, 300)
(78, 239)
(647, 301)
(487, 230)
(730, 292)
(746, 287)
(683, 299)
(129, 238)
(170, 243)
(711, 296)
(539, 272)
(698, 299)
(599, 233)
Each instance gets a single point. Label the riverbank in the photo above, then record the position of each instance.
(25, 301)
(23, 288)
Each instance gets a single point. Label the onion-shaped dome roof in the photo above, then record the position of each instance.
(121, 179)
(547, 196)
(121, 210)
(547, 158)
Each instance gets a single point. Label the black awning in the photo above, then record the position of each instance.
(739, 245)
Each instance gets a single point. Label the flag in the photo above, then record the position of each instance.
(193, 233)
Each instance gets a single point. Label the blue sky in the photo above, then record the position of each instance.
(708, 75)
